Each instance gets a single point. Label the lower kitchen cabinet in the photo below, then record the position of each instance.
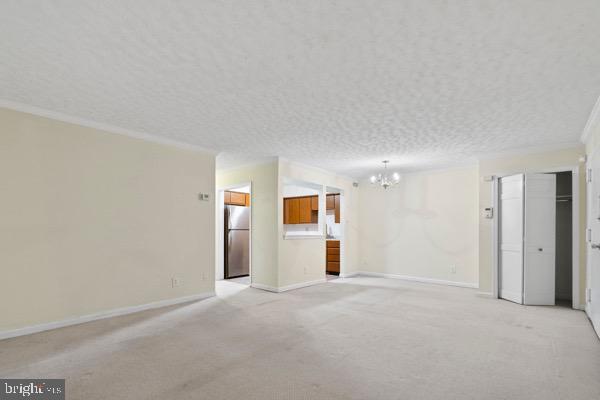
(333, 257)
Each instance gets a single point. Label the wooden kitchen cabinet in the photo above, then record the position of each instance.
(333, 257)
(291, 209)
(330, 202)
(333, 268)
(305, 210)
(314, 203)
(337, 208)
(301, 210)
(238, 199)
(333, 203)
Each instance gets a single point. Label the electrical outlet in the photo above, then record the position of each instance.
(176, 281)
(305, 271)
(453, 269)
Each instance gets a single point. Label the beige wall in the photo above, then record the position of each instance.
(92, 221)
(518, 164)
(422, 227)
(264, 181)
(303, 260)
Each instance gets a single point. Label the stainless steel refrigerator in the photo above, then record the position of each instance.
(237, 241)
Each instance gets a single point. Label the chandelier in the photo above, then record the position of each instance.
(383, 179)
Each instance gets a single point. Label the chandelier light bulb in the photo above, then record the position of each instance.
(383, 179)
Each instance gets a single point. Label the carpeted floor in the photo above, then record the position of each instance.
(356, 338)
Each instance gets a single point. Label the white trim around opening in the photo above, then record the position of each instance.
(219, 228)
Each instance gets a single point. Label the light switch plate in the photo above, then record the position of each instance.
(488, 213)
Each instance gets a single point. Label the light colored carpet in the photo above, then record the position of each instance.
(357, 338)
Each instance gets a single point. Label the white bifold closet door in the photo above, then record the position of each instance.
(527, 238)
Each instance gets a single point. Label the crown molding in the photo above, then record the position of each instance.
(592, 122)
(473, 162)
(41, 112)
(523, 151)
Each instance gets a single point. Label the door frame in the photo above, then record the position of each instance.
(588, 239)
(220, 229)
(326, 189)
(574, 169)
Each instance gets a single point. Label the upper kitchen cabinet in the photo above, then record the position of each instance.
(236, 198)
(337, 208)
(305, 210)
(333, 204)
(291, 211)
(314, 203)
(301, 210)
(330, 204)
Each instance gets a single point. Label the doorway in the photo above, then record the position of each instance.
(564, 239)
(334, 233)
(233, 261)
(536, 232)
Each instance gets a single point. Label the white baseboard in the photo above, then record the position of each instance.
(301, 285)
(349, 275)
(289, 287)
(487, 295)
(264, 287)
(419, 279)
(101, 315)
(588, 312)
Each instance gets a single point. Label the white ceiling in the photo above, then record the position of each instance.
(336, 84)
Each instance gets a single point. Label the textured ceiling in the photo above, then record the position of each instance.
(336, 84)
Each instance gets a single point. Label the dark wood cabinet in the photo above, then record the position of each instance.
(314, 203)
(291, 211)
(337, 208)
(305, 210)
(333, 268)
(333, 257)
(330, 202)
(333, 203)
(301, 210)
